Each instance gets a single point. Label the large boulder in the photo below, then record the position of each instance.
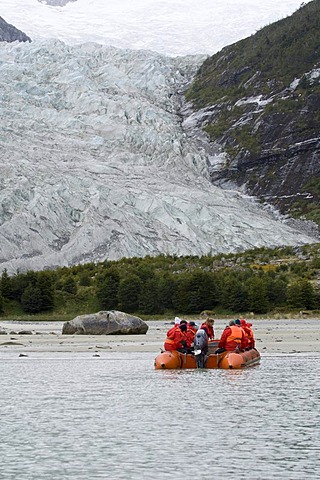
(110, 322)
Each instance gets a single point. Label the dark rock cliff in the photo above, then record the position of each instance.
(260, 100)
(9, 33)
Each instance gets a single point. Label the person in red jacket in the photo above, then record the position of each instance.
(232, 337)
(190, 333)
(207, 326)
(245, 342)
(177, 323)
(249, 333)
(177, 339)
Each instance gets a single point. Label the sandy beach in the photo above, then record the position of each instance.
(272, 336)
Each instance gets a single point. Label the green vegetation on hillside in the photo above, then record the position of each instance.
(309, 207)
(264, 63)
(258, 281)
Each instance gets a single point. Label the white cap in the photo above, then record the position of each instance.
(177, 321)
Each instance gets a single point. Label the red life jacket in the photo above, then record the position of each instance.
(249, 340)
(174, 342)
(250, 336)
(209, 330)
(190, 333)
(170, 333)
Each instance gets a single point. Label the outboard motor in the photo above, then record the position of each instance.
(200, 348)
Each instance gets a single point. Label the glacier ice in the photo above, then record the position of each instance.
(97, 162)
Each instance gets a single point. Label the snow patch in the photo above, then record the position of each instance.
(172, 27)
(294, 84)
(258, 100)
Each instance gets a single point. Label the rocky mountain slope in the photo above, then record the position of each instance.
(259, 99)
(9, 33)
(96, 162)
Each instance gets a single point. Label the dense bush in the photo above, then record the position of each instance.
(258, 281)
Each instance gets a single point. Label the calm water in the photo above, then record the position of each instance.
(73, 416)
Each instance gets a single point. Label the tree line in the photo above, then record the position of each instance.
(156, 285)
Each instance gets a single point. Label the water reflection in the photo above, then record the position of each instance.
(116, 417)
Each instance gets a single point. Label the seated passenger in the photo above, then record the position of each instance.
(207, 326)
(192, 329)
(177, 323)
(245, 345)
(249, 333)
(177, 339)
(232, 338)
(193, 325)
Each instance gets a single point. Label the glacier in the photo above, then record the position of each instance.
(99, 161)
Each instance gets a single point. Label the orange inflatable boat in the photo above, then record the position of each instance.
(226, 360)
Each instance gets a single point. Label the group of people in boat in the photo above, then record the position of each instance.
(238, 335)
(181, 336)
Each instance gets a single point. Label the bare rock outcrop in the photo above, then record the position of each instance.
(111, 322)
(9, 33)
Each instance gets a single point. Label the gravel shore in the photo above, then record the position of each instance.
(272, 336)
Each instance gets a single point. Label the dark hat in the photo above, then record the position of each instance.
(183, 327)
(192, 324)
(237, 322)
